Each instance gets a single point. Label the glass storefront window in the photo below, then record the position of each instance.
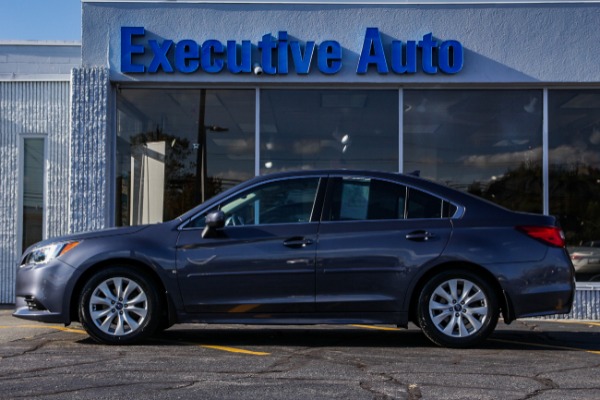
(574, 187)
(486, 142)
(310, 129)
(177, 148)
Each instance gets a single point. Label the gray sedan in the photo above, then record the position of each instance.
(308, 247)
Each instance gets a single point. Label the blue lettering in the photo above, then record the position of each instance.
(372, 53)
(210, 63)
(187, 54)
(451, 57)
(266, 46)
(427, 45)
(404, 62)
(330, 57)
(302, 62)
(128, 49)
(160, 56)
(282, 53)
(232, 57)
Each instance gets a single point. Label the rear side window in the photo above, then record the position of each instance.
(366, 199)
(371, 199)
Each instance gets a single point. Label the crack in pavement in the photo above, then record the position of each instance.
(96, 387)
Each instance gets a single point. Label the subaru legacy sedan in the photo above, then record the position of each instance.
(310, 247)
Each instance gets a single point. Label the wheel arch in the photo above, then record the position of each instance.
(503, 300)
(169, 313)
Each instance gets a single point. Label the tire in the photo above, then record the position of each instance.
(119, 305)
(457, 309)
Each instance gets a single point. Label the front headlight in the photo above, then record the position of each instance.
(47, 253)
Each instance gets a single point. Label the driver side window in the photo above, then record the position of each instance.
(280, 202)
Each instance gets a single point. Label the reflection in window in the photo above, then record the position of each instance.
(487, 142)
(281, 202)
(372, 199)
(574, 157)
(176, 148)
(308, 129)
(423, 205)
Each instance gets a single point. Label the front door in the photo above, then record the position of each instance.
(262, 261)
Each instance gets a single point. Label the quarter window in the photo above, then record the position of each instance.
(423, 205)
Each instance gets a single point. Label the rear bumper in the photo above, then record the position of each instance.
(544, 287)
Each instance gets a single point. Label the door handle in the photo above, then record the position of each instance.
(297, 242)
(419, 236)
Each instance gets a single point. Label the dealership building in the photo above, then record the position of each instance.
(166, 103)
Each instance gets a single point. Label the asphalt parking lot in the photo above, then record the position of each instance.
(530, 359)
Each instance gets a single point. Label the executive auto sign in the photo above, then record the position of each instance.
(281, 55)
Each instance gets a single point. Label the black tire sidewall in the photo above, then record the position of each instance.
(148, 326)
(432, 332)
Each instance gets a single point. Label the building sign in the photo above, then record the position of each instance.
(281, 55)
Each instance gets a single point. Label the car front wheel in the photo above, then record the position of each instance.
(119, 305)
(457, 309)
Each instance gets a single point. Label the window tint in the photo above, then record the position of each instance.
(423, 205)
(372, 199)
(360, 199)
(448, 210)
(280, 202)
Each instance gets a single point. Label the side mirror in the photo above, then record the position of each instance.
(213, 221)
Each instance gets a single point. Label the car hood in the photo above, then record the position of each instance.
(91, 235)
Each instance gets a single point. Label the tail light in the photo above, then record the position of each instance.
(551, 235)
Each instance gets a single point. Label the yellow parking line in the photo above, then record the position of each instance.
(549, 346)
(81, 331)
(379, 328)
(568, 321)
(55, 327)
(234, 350)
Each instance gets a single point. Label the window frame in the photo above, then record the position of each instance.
(315, 216)
(21, 185)
(331, 187)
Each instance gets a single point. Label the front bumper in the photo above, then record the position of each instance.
(43, 292)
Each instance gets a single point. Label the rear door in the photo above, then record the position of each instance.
(373, 238)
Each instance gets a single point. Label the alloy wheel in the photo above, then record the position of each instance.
(458, 308)
(118, 306)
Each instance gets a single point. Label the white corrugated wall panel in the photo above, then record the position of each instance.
(31, 108)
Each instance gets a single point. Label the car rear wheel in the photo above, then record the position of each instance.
(119, 305)
(457, 309)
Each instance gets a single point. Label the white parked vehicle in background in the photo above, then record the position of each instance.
(586, 260)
